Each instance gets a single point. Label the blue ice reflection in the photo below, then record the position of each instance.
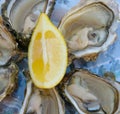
(108, 61)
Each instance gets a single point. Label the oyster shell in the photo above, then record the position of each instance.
(21, 17)
(7, 44)
(89, 27)
(8, 77)
(10, 105)
(91, 94)
(45, 102)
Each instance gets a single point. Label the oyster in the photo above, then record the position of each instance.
(21, 17)
(8, 77)
(89, 27)
(7, 44)
(48, 102)
(91, 94)
(45, 102)
(13, 102)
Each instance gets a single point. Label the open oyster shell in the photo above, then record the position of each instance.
(89, 27)
(7, 44)
(8, 77)
(91, 94)
(45, 102)
(21, 17)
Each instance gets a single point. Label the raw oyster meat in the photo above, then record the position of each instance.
(8, 80)
(91, 94)
(48, 102)
(22, 14)
(44, 102)
(89, 27)
(21, 17)
(7, 44)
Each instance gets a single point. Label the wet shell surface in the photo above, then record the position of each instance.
(21, 17)
(89, 27)
(42, 101)
(91, 94)
(45, 102)
(8, 76)
(7, 44)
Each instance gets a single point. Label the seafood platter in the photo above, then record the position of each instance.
(91, 84)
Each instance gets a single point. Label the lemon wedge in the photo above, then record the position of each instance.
(47, 54)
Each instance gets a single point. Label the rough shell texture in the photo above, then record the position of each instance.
(8, 81)
(10, 105)
(7, 44)
(89, 27)
(21, 17)
(91, 94)
(45, 102)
